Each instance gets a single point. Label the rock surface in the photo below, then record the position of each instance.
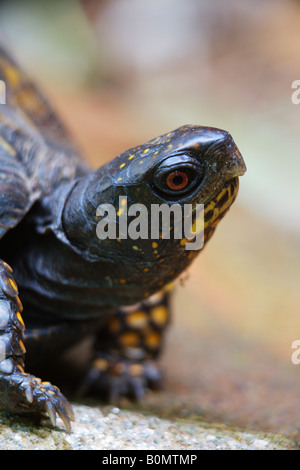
(114, 429)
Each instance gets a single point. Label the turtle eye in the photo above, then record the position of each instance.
(177, 180)
(178, 175)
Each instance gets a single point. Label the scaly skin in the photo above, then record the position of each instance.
(21, 392)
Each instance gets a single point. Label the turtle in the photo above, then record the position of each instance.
(68, 282)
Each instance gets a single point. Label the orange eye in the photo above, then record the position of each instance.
(177, 180)
(177, 175)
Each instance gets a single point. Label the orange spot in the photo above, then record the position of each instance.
(129, 339)
(137, 319)
(100, 364)
(159, 315)
(153, 340)
(19, 317)
(136, 369)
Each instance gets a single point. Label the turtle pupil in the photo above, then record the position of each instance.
(177, 180)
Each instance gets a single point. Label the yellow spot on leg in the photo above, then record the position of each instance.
(100, 364)
(159, 315)
(137, 319)
(136, 369)
(129, 339)
(153, 340)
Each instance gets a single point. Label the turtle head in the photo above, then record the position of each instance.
(147, 214)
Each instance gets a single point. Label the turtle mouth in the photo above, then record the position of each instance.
(217, 207)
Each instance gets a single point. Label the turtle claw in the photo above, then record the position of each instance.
(64, 412)
(118, 378)
(57, 404)
(30, 395)
(51, 412)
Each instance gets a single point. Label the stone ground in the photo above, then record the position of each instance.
(113, 429)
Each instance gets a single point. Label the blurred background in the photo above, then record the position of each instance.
(121, 73)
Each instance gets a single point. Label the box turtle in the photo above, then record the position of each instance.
(74, 284)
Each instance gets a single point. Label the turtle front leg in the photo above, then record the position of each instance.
(126, 350)
(21, 392)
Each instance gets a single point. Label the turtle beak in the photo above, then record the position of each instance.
(235, 164)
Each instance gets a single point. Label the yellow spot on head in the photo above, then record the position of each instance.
(198, 226)
(120, 211)
(122, 165)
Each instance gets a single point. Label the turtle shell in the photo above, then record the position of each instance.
(36, 152)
